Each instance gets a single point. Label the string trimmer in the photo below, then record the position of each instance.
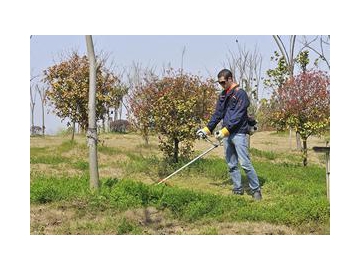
(214, 145)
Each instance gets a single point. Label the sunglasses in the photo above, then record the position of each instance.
(222, 82)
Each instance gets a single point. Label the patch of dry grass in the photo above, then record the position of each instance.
(54, 219)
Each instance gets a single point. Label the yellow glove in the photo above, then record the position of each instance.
(203, 133)
(221, 134)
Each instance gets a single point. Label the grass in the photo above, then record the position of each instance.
(186, 205)
(198, 202)
(128, 227)
(270, 155)
(48, 159)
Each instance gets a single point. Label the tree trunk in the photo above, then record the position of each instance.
(108, 120)
(298, 141)
(176, 150)
(32, 107)
(32, 120)
(116, 113)
(92, 132)
(305, 153)
(103, 129)
(42, 98)
(120, 109)
(43, 117)
(73, 131)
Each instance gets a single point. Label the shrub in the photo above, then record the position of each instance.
(36, 130)
(126, 227)
(120, 126)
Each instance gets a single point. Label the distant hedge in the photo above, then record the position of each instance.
(120, 126)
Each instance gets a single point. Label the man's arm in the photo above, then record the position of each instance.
(218, 114)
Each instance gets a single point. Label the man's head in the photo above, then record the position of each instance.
(225, 78)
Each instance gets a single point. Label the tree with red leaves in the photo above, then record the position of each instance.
(174, 106)
(303, 103)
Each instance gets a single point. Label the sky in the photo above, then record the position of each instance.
(204, 55)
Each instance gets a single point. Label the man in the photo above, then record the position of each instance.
(232, 107)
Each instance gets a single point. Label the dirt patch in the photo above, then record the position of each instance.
(282, 143)
(155, 222)
(46, 220)
(111, 172)
(251, 228)
(108, 159)
(75, 153)
(55, 219)
(159, 222)
(271, 142)
(58, 170)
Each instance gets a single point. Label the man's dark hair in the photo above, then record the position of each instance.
(225, 73)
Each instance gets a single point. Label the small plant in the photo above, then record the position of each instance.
(45, 194)
(126, 227)
(110, 182)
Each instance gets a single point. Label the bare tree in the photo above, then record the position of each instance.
(136, 76)
(246, 68)
(32, 103)
(323, 41)
(182, 58)
(287, 54)
(121, 91)
(92, 131)
(290, 59)
(32, 108)
(41, 92)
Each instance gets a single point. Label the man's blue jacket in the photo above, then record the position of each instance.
(232, 108)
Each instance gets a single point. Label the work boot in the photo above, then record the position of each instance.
(238, 191)
(257, 195)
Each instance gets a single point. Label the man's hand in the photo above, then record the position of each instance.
(221, 134)
(203, 133)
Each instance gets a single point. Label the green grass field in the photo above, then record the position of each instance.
(197, 201)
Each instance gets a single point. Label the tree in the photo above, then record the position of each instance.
(140, 99)
(32, 103)
(32, 108)
(263, 115)
(141, 103)
(92, 130)
(68, 88)
(323, 42)
(175, 106)
(117, 102)
(277, 76)
(287, 55)
(42, 95)
(303, 103)
(286, 61)
(246, 68)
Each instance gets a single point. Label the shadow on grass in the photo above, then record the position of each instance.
(244, 181)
